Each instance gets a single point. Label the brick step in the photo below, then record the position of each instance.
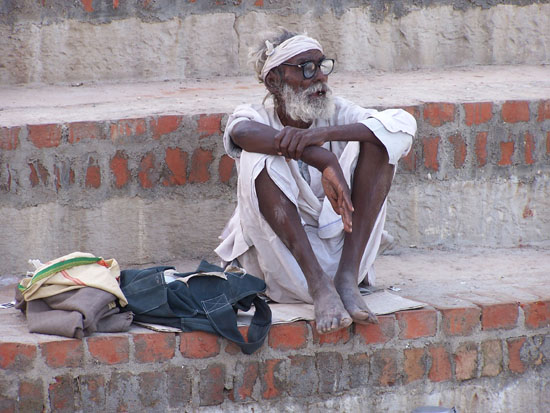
(482, 338)
(73, 158)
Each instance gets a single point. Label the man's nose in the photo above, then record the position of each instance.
(319, 76)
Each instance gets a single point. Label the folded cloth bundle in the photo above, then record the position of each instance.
(70, 272)
(74, 296)
(75, 313)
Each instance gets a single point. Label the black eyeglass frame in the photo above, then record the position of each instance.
(317, 67)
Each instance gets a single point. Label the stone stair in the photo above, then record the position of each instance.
(138, 171)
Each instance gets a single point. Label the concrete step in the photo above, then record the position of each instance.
(137, 171)
(105, 101)
(442, 278)
(480, 344)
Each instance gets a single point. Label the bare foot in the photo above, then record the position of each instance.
(353, 300)
(330, 314)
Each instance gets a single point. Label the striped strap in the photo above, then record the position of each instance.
(57, 267)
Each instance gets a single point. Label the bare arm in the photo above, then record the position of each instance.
(291, 142)
(257, 137)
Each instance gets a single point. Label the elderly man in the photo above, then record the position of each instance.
(314, 173)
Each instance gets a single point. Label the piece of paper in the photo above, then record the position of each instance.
(384, 302)
(171, 275)
(380, 302)
(158, 327)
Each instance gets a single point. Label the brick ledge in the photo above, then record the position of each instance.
(488, 340)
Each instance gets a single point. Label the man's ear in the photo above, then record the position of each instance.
(273, 81)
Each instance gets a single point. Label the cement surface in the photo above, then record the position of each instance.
(54, 42)
(423, 213)
(21, 105)
(13, 11)
(445, 279)
(530, 393)
(146, 231)
(448, 279)
(489, 211)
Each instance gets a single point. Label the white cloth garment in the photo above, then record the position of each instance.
(248, 237)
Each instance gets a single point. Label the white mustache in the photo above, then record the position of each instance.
(318, 87)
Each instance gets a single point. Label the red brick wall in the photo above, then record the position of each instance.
(148, 370)
(159, 155)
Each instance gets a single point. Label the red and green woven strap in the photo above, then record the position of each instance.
(59, 266)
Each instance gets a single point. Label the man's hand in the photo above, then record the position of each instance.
(338, 193)
(290, 142)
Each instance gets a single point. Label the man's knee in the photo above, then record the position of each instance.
(272, 200)
(373, 152)
(265, 187)
(373, 170)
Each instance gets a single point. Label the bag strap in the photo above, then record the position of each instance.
(223, 319)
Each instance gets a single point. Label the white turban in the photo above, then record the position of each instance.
(286, 50)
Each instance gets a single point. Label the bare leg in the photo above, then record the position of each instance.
(282, 216)
(371, 183)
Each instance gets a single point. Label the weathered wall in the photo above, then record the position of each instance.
(140, 190)
(55, 41)
(479, 174)
(157, 188)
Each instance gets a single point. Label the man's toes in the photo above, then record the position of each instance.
(321, 325)
(372, 318)
(346, 322)
(364, 316)
(326, 326)
(333, 324)
(343, 322)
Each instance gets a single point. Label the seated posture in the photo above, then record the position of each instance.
(314, 173)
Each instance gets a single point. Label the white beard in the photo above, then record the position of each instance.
(301, 106)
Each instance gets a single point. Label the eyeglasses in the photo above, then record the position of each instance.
(309, 69)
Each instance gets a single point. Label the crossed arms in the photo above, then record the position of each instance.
(305, 144)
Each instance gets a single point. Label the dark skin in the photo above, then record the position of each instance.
(337, 302)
